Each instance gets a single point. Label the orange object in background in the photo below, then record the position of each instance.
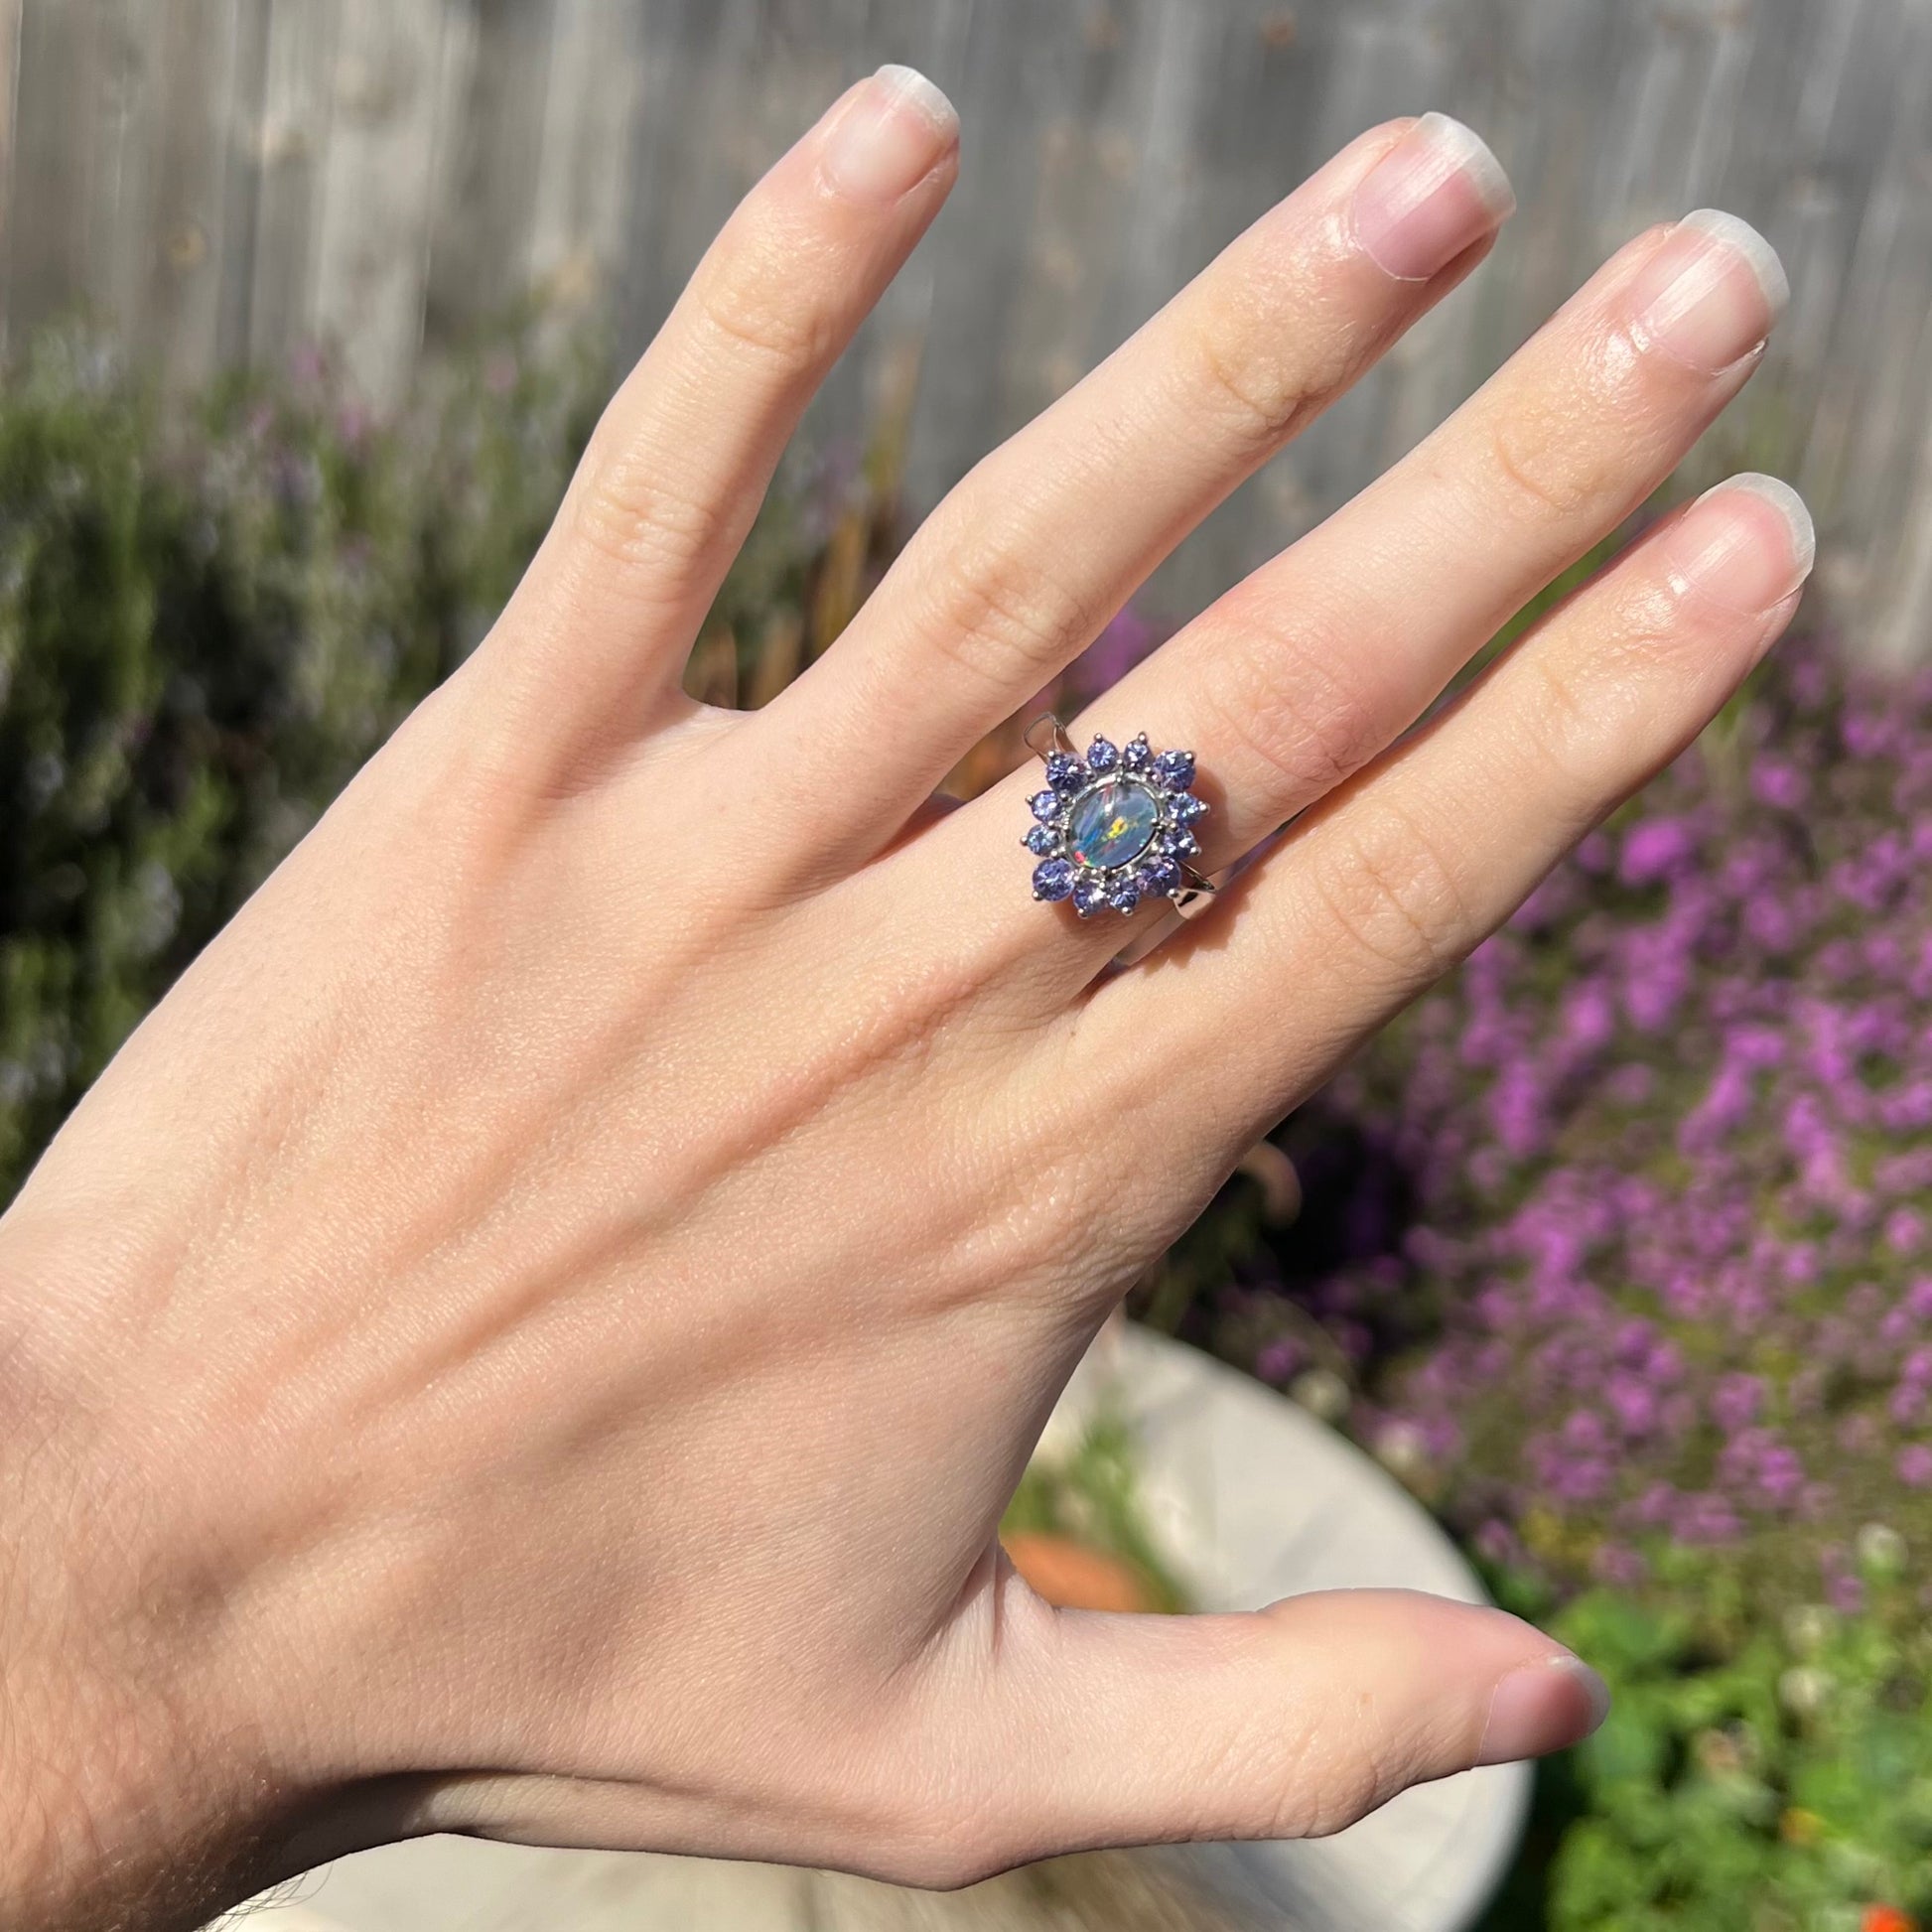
(1076, 1578)
(1887, 1919)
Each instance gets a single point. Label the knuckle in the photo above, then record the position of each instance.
(1345, 1796)
(944, 1834)
(1565, 715)
(1391, 892)
(1260, 397)
(766, 323)
(628, 512)
(1282, 700)
(764, 295)
(1550, 472)
(1594, 421)
(1593, 694)
(1336, 1777)
(1024, 1256)
(1253, 1756)
(938, 1863)
(762, 298)
(1000, 619)
(1320, 1784)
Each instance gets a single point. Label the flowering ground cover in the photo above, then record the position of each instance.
(1757, 1773)
(1623, 1236)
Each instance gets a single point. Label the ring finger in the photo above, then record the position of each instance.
(1387, 884)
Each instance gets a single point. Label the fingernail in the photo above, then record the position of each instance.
(892, 135)
(1435, 193)
(1543, 1708)
(1749, 545)
(1712, 292)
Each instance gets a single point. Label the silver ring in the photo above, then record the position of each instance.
(1115, 828)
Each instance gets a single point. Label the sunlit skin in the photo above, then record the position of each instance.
(535, 1335)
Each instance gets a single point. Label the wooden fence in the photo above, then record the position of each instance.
(222, 180)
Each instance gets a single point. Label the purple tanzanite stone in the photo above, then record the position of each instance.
(1044, 806)
(1053, 880)
(1041, 840)
(1064, 773)
(1137, 755)
(1179, 845)
(1174, 770)
(1124, 896)
(1102, 755)
(1186, 808)
(1089, 895)
(1159, 878)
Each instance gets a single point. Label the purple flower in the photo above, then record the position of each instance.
(1780, 784)
(1736, 1401)
(1279, 1361)
(1844, 1594)
(1653, 849)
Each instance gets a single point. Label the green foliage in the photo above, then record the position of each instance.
(1753, 1775)
(210, 618)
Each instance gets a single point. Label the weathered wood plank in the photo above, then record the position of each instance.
(10, 24)
(247, 177)
(481, 248)
(586, 172)
(878, 382)
(1887, 484)
(397, 63)
(986, 261)
(63, 158)
(291, 141)
(173, 180)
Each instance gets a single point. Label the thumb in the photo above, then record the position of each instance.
(1286, 1722)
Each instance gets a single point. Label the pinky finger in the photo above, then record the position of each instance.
(1398, 875)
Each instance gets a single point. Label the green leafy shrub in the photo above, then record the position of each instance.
(206, 625)
(1754, 1774)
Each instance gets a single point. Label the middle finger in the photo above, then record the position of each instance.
(1017, 570)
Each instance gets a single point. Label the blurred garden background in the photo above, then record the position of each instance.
(1617, 1251)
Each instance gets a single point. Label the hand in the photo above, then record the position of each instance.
(534, 1336)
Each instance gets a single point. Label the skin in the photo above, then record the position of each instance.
(534, 1336)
